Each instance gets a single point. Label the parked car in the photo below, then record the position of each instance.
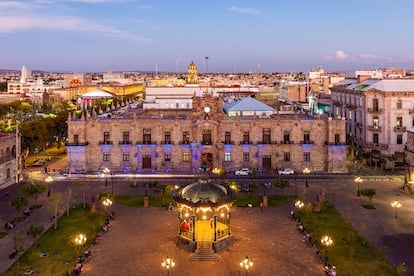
(243, 171)
(286, 171)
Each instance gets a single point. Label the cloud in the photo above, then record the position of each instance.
(367, 56)
(99, 1)
(244, 10)
(69, 23)
(340, 54)
(13, 5)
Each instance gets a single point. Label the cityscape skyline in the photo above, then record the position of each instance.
(236, 36)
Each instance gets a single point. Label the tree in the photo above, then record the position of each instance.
(252, 186)
(234, 186)
(68, 198)
(55, 203)
(18, 203)
(94, 217)
(83, 186)
(33, 190)
(368, 193)
(164, 189)
(281, 184)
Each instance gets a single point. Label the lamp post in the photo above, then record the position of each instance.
(80, 240)
(48, 180)
(358, 180)
(299, 204)
(306, 171)
(167, 264)
(396, 204)
(246, 264)
(326, 241)
(106, 171)
(107, 203)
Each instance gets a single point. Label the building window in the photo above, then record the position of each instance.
(399, 122)
(246, 137)
(167, 157)
(306, 156)
(227, 157)
(246, 157)
(375, 105)
(125, 157)
(266, 136)
(106, 157)
(186, 157)
(206, 137)
(125, 137)
(186, 137)
(286, 156)
(286, 137)
(167, 137)
(350, 115)
(8, 173)
(375, 122)
(337, 140)
(399, 104)
(147, 136)
(76, 138)
(106, 138)
(399, 139)
(306, 137)
(375, 138)
(227, 137)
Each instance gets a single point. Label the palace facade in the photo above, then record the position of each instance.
(202, 138)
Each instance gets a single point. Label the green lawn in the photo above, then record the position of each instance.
(59, 245)
(351, 253)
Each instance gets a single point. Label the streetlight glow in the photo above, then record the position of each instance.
(80, 240)
(246, 264)
(299, 204)
(358, 180)
(106, 171)
(396, 204)
(167, 264)
(326, 241)
(306, 171)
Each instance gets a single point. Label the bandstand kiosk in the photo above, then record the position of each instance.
(204, 215)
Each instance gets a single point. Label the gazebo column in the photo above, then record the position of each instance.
(179, 223)
(215, 227)
(228, 222)
(194, 226)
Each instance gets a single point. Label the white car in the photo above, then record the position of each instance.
(286, 171)
(242, 171)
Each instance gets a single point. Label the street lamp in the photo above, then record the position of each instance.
(306, 171)
(246, 264)
(326, 241)
(106, 171)
(299, 204)
(80, 240)
(396, 204)
(107, 203)
(167, 264)
(48, 180)
(358, 180)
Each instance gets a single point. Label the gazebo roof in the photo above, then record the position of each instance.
(205, 193)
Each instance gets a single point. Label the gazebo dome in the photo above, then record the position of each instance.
(97, 94)
(205, 193)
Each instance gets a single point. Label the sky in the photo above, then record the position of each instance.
(218, 35)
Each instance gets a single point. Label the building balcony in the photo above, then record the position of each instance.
(337, 143)
(267, 142)
(146, 143)
(105, 142)
(400, 129)
(168, 142)
(374, 128)
(374, 110)
(287, 142)
(228, 142)
(206, 142)
(186, 142)
(376, 146)
(76, 144)
(125, 142)
(246, 142)
(307, 142)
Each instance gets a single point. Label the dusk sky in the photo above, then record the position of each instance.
(236, 35)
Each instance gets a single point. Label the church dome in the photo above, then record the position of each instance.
(205, 193)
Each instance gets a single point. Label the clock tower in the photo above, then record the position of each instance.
(192, 77)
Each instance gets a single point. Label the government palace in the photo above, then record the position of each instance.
(190, 129)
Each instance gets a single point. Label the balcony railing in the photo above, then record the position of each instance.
(267, 142)
(168, 142)
(372, 110)
(337, 143)
(125, 142)
(307, 142)
(185, 142)
(228, 142)
(287, 142)
(246, 142)
(374, 128)
(376, 146)
(400, 129)
(77, 144)
(105, 142)
(206, 142)
(145, 143)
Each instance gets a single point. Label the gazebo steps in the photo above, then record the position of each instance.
(204, 253)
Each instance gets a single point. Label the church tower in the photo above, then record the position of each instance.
(192, 77)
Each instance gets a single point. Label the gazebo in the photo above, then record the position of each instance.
(89, 98)
(204, 215)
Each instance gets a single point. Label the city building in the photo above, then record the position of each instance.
(378, 115)
(10, 162)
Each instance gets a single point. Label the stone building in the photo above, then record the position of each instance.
(9, 159)
(378, 114)
(202, 138)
